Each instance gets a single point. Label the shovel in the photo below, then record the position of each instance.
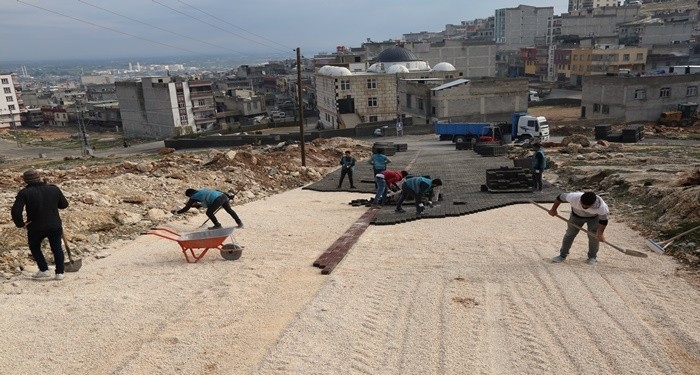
(660, 247)
(633, 253)
(71, 265)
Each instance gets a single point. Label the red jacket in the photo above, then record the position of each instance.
(392, 177)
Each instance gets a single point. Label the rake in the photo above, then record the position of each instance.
(660, 247)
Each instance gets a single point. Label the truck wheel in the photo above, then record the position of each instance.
(460, 139)
(673, 123)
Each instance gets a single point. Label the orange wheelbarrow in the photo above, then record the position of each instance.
(195, 245)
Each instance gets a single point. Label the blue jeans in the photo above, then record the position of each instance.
(381, 190)
(571, 232)
(34, 239)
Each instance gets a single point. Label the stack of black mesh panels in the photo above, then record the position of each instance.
(633, 133)
(602, 131)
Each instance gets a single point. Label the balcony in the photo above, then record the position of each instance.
(201, 94)
(205, 120)
(207, 107)
(199, 83)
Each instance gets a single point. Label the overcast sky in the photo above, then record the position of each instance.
(71, 29)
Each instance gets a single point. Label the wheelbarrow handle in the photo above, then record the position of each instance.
(169, 234)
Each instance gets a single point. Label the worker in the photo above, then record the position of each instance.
(586, 208)
(212, 200)
(539, 163)
(386, 180)
(416, 187)
(347, 167)
(42, 202)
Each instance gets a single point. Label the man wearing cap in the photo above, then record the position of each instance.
(42, 202)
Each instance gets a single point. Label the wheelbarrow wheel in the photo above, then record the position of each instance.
(231, 251)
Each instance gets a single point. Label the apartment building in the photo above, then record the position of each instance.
(606, 59)
(11, 105)
(163, 107)
(482, 100)
(575, 5)
(636, 98)
(521, 26)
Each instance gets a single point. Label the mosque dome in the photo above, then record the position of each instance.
(444, 67)
(397, 68)
(329, 70)
(396, 54)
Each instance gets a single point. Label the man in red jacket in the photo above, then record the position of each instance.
(386, 180)
(42, 202)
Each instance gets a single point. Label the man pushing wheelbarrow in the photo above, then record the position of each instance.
(212, 200)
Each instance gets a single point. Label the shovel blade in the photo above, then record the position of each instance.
(655, 247)
(73, 266)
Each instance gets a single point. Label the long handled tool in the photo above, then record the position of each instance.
(633, 253)
(660, 247)
(71, 265)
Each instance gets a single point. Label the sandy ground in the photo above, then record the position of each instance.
(468, 295)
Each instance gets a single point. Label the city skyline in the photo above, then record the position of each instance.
(101, 29)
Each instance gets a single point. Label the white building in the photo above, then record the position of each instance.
(345, 98)
(521, 26)
(163, 107)
(9, 101)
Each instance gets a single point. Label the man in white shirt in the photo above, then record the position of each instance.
(586, 208)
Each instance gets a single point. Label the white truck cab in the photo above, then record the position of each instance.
(530, 127)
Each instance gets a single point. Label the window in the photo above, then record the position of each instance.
(371, 83)
(640, 94)
(372, 102)
(8, 98)
(373, 119)
(691, 91)
(408, 101)
(345, 85)
(626, 57)
(665, 92)
(201, 102)
(5, 81)
(420, 103)
(606, 109)
(11, 107)
(640, 56)
(8, 90)
(596, 108)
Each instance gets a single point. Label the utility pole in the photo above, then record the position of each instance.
(85, 146)
(301, 109)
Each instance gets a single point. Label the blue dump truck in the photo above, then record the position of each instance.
(522, 127)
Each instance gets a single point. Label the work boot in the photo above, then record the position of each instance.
(399, 210)
(591, 261)
(558, 259)
(59, 276)
(216, 226)
(240, 225)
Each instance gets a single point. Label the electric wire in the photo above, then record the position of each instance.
(105, 27)
(230, 24)
(217, 27)
(157, 27)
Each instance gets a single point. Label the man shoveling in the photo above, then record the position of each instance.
(212, 200)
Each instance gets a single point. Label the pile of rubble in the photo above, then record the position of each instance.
(112, 199)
